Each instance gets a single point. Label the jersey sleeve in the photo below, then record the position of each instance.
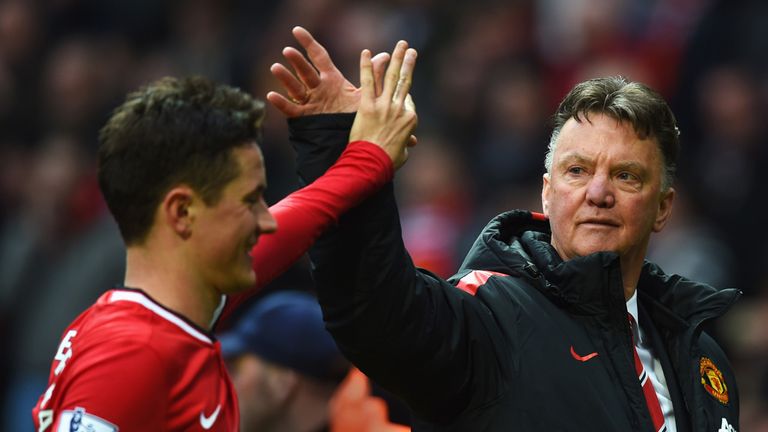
(302, 216)
(121, 386)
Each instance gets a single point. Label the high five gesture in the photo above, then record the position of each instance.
(387, 117)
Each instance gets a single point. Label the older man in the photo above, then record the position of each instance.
(538, 330)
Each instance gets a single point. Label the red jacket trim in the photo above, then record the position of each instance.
(474, 280)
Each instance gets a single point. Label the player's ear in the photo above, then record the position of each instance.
(177, 211)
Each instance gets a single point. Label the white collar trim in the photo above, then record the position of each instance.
(140, 298)
(632, 306)
(632, 309)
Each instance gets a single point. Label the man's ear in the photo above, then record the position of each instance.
(665, 209)
(177, 210)
(545, 194)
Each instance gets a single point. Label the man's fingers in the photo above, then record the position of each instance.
(393, 71)
(406, 79)
(288, 108)
(304, 69)
(379, 61)
(367, 85)
(316, 52)
(292, 86)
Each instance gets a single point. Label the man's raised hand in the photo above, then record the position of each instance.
(316, 86)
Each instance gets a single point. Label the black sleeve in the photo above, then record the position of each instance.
(412, 332)
(318, 141)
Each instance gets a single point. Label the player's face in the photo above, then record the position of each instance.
(604, 190)
(227, 231)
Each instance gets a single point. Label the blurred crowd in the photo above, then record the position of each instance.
(489, 75)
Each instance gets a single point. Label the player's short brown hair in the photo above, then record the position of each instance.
(170, 132)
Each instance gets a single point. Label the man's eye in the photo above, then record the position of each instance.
(626, 176)
(576, 170)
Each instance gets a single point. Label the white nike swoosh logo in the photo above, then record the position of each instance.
(207, 422)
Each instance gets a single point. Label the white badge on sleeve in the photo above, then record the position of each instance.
(78, 420)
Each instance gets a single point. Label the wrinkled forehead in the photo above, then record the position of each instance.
(602, 135)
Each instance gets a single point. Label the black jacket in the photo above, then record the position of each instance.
(508, 356)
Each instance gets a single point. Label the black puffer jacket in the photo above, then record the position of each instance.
(507, 343)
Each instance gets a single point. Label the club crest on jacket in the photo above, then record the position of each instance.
(712, 380)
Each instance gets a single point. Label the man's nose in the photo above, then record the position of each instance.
(267, 222)
(600, 191)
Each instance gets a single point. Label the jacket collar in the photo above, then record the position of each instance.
(673, 299)
(518, 243)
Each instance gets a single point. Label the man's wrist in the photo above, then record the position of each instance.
(339, 121)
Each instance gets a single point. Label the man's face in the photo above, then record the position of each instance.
(258, 404)
(603, 192)
(226, 232)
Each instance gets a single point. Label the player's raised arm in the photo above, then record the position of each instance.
(365, 166)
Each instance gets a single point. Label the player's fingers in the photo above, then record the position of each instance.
(406, 79)
(316, 52)
(288, 108)
(379, 61)
(294, 88)
(409, 104)
(366, 77)
(393, 71)
(304, 69)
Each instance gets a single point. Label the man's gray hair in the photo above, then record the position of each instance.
(626, 101)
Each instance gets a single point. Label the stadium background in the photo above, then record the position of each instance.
(489, 74)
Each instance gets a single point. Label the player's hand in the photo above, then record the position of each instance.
(387, 117)
(315, 86)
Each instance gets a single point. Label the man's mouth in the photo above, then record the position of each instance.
(600, 222)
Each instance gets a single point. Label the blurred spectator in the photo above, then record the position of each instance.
(72, 90)
(15, 161)
(22, 36)
(354, 410)
(621, 36)
(286, 368)
(59, 236)
(690, 246)
(202, 39)
(485, 34)
(509, 143)
(731, 152)
(435, 205)
(747, 328)
(722, 91)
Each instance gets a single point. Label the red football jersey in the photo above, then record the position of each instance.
(129, 364)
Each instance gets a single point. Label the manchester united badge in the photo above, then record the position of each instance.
(712, 380)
